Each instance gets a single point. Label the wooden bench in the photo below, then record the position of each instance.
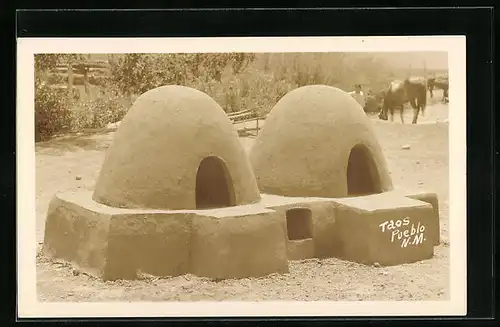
(240, 116)
(244, 116)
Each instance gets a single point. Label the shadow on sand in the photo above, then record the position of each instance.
(76, 142)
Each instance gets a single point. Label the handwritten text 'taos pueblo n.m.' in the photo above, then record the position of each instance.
(404, 231)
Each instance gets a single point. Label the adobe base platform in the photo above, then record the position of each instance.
(242, 241)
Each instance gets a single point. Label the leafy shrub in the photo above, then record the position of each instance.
(52, 114)
(98, 113)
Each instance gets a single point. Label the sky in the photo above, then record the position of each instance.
(432, 60)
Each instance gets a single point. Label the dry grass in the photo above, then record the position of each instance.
(425, 165)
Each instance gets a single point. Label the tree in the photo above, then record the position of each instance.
(47, 62)
(136, 73)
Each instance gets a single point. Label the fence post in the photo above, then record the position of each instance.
(70, 81)
(70, 92)
(86, 80)
(257, 131)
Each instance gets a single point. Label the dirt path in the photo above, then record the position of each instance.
(437, 112)
(74, 162)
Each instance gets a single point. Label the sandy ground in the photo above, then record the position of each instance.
(74, 162)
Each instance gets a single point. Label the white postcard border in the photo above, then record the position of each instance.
(28, 306)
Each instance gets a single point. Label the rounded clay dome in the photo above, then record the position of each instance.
(156, 157)
(317, 141)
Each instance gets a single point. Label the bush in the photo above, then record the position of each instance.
(52, 114)
(252, 89)
(98, 113)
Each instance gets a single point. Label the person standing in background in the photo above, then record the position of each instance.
(358, 95)
(232, 100)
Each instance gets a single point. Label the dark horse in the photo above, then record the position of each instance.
(399, 93)
(439, 83)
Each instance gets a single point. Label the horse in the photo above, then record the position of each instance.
(399, 93)
(438, 83)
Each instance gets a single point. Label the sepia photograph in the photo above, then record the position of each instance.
(284, 171)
